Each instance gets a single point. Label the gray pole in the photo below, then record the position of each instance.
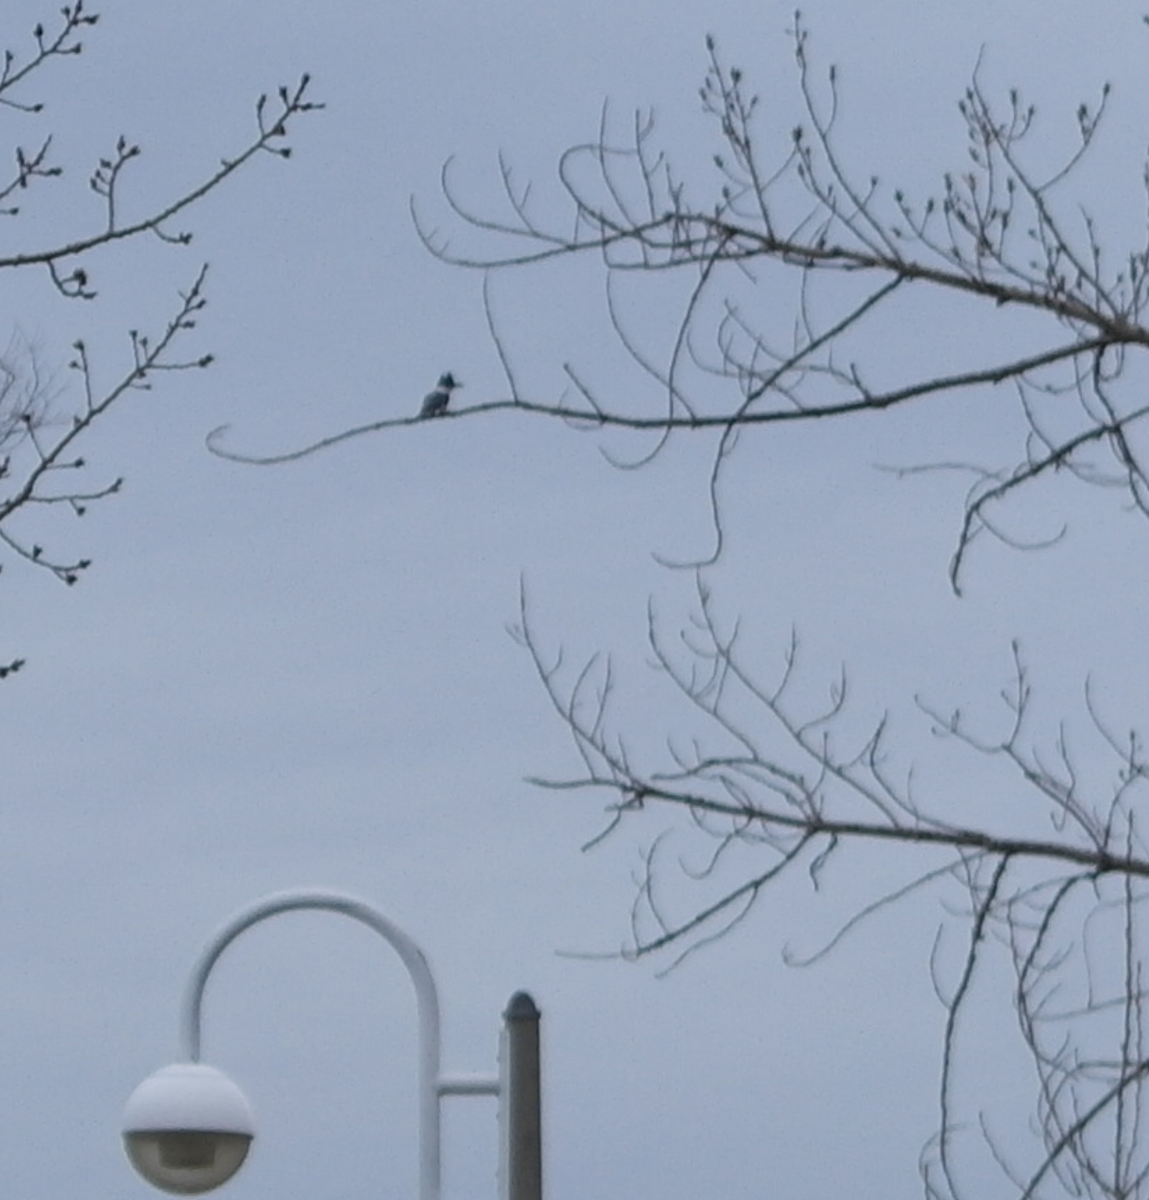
(522, 1116)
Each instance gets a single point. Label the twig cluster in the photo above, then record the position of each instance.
(999, 233)
(779, 790)
(41, 426)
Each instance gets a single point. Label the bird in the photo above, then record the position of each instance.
(435, 403)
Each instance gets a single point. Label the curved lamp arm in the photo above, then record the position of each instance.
(426, 997)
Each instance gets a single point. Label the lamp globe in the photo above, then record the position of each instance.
(187, 1128)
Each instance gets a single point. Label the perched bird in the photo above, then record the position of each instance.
(435, 403)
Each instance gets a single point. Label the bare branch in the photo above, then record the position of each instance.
(43, 424)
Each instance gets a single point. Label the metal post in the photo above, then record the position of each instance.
(521, 1101)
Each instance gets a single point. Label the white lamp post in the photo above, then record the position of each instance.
(188, 1127)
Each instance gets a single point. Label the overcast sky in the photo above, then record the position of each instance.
(277, 677)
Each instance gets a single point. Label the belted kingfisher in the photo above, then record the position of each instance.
(435, 403)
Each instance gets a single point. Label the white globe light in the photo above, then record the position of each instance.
(187, 1128)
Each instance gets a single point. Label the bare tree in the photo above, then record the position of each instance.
(43, 425)
(770, 784)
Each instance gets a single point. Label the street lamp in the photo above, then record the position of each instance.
(188, 1127)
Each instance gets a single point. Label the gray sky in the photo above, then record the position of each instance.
(302, 676)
